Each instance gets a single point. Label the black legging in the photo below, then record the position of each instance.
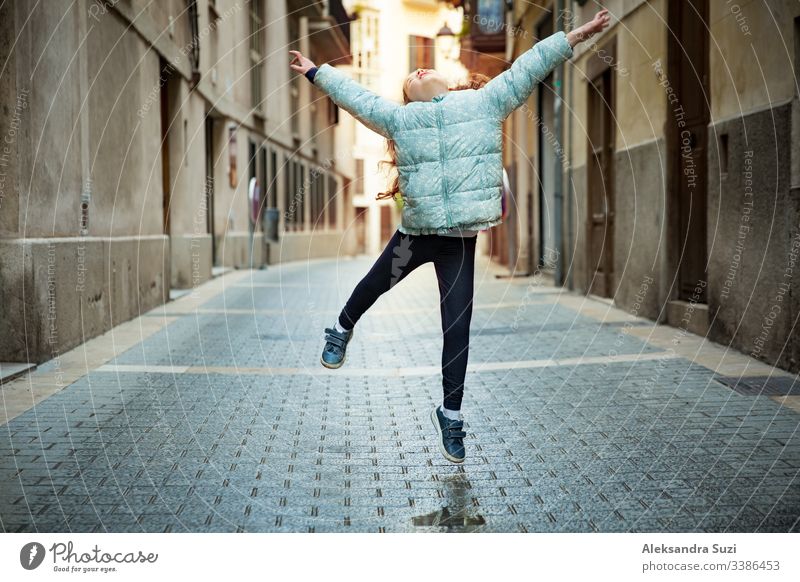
(454, 260)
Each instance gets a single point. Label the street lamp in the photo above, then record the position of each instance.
(447, 41)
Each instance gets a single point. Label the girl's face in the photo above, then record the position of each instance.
(424, 85)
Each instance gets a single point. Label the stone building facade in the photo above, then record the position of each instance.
(131, 131)
(660, 168)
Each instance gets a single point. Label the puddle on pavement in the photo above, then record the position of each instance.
(443, 518)
(457, 514)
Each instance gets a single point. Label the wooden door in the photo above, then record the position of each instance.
(361, 229)
(209, 190)
(546, 199)
(688, 143)
(164, 103)
(600, 191)
(387, 224)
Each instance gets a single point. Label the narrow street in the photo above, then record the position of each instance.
(213, 413)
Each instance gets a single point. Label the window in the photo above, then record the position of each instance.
(359, 176)
(312, 198)
(333, 112)
(194, 55)
(321, 198)
(288, 182)
(272, 193)
(252, 166)
(256, 51)
(299, 195)
(318, 198)
(213, 42)
(262, 180)
(252, 161)
(365, 47)
(332, 201)
(314, 115)
(386, 222)
(420, 53)
(294, 79)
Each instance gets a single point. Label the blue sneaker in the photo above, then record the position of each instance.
(335, 349)
(451, 436)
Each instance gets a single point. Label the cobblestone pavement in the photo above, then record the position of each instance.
(221, 418)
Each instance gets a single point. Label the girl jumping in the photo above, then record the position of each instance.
(446, 144)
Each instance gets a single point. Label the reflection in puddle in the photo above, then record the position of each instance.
(456, 514)
(443, 518)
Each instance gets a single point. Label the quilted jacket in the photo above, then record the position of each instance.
(449, 149)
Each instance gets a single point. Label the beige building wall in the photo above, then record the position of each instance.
(123, 134)
(640, 169)
(278, 73)
(754, 178)
(752, 44)
(752, 156)
(80, 159)
(641, 39)
(83, 239)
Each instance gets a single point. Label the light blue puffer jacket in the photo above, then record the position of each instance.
(449, 150)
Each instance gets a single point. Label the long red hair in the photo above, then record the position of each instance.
(474, 81)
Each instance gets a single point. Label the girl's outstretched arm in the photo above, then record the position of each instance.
(511, 88)
(374, 111)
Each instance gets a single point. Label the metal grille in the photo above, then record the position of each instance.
(762, 385)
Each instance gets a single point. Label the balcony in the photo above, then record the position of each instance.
(483, 37)
(327, 28)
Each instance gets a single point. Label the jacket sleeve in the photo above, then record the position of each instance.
(511, 88)
(374, 111)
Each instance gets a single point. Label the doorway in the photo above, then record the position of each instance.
(600, 173)
(545, 105)
(167, 116)
(209, 189)
(361, 229)
(687, 145)
(387, 224)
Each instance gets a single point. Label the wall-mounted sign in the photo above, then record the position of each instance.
(254, 197)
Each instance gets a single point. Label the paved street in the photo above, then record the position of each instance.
(213, 413)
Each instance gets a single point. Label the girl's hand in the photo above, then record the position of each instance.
(303, 64)
(598, 23)
(585, 32)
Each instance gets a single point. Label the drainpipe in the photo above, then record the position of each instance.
(558, 113)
